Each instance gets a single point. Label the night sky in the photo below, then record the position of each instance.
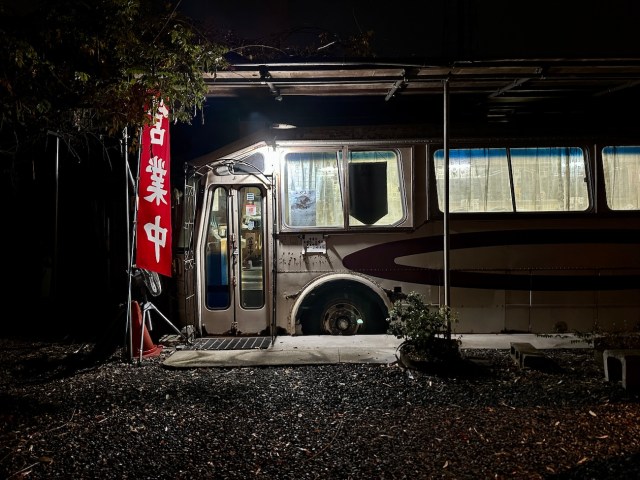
(464, 29)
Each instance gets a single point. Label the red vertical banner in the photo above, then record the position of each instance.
(153, 231)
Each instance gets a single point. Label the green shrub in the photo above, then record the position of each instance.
(426, 330)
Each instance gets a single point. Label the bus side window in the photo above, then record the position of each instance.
(622, 177)
(531, 179)
(375, 188)
(312, 196)
(550, 179)
(478, 180)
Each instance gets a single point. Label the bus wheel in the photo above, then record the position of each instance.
(341, 316)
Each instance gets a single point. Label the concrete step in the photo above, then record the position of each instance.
(528, 356)
(623, 365)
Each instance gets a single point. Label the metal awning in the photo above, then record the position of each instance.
(501, 87)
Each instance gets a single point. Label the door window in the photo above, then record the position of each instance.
(216, 253)
(251, 260)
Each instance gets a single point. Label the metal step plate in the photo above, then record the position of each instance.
(231, 343)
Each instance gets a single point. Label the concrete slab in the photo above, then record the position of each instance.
(504, 340)
(328, 349)
(623, 365)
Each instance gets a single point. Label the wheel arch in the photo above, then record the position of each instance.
(322, 287)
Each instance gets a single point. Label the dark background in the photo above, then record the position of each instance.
(446, 29)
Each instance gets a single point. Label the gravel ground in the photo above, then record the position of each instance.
(69, 414)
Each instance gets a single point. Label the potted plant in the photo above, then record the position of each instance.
(426, 332)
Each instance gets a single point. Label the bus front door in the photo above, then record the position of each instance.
(235, 270)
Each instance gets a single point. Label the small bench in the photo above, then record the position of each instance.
(623, 365)
(528, 356)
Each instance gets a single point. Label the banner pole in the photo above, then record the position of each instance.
(135, 183)
(127, 173)
(131, 236)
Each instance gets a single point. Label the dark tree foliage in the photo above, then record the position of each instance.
(78, 67)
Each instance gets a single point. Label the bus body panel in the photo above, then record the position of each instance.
(530, 271)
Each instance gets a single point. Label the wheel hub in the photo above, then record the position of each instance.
(342, 319)
(343, 323)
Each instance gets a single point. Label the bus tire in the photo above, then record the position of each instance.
(343, 309)
(351, 315)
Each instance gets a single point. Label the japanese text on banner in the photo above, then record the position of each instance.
(153, 232)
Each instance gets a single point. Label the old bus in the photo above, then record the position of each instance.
(319, 230)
